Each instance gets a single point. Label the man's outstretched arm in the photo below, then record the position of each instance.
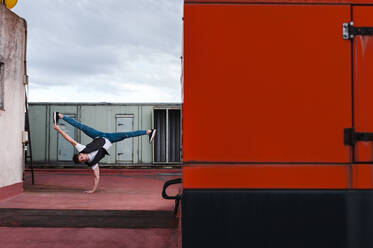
(66, 137)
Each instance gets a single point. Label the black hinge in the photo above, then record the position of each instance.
(351, 137)
(349, 31)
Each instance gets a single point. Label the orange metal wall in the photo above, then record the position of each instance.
(284, 176)
(363, 86)
(267, 176)
(363, 100)
(266, 83)
(284, 1)
(272, 87)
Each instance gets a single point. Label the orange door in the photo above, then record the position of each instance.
(363, 82)
(266, 83)
(363, 97)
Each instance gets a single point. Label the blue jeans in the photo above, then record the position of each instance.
(93, 133)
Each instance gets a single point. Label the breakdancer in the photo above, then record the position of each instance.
(93, 152)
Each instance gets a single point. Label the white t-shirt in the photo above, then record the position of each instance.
(92, 155)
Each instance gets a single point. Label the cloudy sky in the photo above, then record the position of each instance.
(103, 50)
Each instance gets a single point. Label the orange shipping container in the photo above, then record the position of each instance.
(277, 112)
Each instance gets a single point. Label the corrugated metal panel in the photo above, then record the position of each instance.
(146, 151)
(53, 135)
(124, 148)
(167, 144)
(38, 130)
(160, 140)
(174, 129)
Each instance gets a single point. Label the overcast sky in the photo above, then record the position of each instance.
(103, 50)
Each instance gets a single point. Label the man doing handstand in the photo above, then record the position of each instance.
(93, 152)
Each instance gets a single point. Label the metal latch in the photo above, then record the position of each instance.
(349, 31)
(351, 137)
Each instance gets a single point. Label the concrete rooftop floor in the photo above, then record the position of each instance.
(126, 211)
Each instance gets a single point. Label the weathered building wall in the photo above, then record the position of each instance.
(12, 99)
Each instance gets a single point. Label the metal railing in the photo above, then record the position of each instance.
(177, 197)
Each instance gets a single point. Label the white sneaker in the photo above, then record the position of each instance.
(56, 117)
(152, 135)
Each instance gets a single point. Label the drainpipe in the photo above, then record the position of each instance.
(25, 83)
